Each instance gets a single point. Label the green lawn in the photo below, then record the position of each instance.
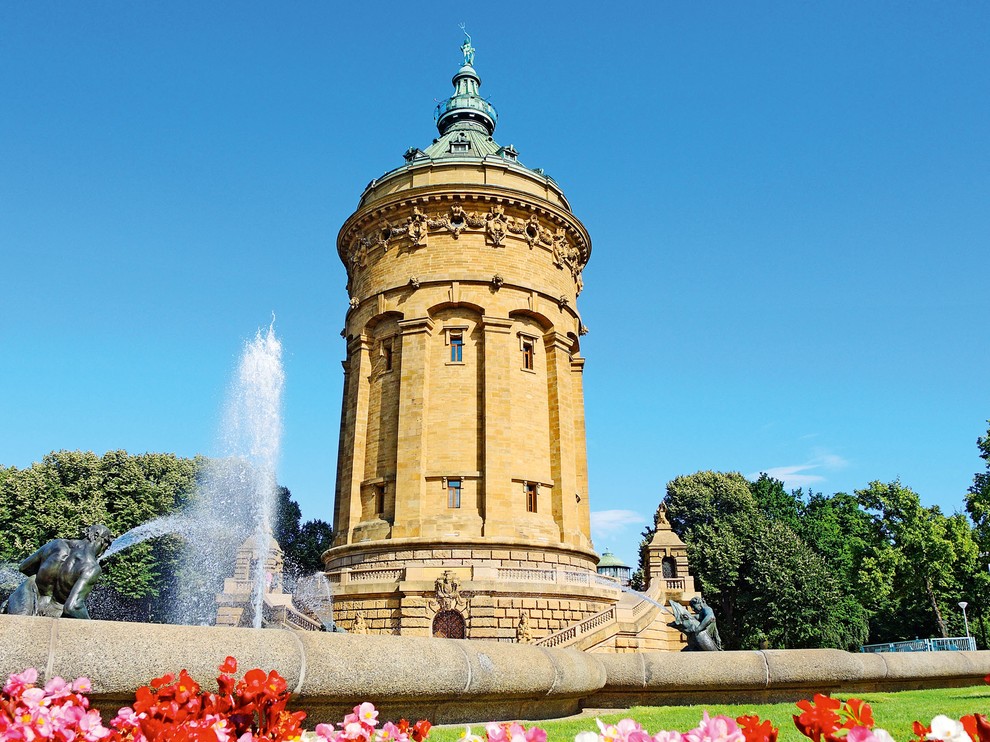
(892, 711)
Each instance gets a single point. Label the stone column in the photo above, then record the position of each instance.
(497, 472)
(580, 450)
(414, 384)
(353, 441)
(562, 458)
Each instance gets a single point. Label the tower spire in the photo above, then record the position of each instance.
(466, 106)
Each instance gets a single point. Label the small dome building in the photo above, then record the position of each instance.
(611, 566)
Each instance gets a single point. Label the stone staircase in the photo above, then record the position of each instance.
(633, 624)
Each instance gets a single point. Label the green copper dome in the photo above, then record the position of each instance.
(611, 560)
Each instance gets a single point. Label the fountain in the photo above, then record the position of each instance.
(236, 495)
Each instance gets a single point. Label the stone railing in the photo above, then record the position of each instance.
(519, 574)
(349, 576)
(572, 633)
(550, 575)
(674, 584)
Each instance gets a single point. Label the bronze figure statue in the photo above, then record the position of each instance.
(60, 576)
(699, 629)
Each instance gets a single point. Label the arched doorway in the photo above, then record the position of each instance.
(448, 625)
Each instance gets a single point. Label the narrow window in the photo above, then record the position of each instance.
(387, 352)
(531, 497)
(380, 499)
(457, 347)
(527, 351)
(453, 493)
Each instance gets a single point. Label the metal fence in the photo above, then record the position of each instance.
(952, 644)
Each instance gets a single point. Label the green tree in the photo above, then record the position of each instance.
(69, 490)
(302, 543)
(314, 538)
(978, 495)
(978, 507)
(756, 572)
(919, 549)
(776, 503)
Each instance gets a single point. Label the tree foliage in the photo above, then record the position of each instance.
(69, 490)
(762, 579)
(805, 569)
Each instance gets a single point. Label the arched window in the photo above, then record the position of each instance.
(448, 625)
(669, 565)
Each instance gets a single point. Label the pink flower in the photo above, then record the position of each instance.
(392, 733)
(496, 732)
(19, 681)
(82, 685)
(327, 732)
(91, 726)
(355, 730)
(367, 713)
(57, 688)
(33, 697)
(672, 736)
(717, 729)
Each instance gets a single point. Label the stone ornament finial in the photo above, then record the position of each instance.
(662, 515)
(524, 634)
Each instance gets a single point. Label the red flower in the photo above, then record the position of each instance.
(858, 714)
(921, 731)
(819, 718)
(755, 731)
(421, 730)
(977, 727)
(229, 665)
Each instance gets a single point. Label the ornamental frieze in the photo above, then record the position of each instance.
(416, 229)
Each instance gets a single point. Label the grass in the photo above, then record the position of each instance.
(892, 711)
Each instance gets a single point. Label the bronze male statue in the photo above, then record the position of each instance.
(60, 576)
(699, 629)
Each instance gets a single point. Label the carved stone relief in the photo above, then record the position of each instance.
(456, 220)
(496, 226)
(448, 595)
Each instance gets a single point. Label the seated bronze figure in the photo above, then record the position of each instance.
(60, 576)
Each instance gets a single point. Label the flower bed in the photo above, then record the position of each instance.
(254, 709)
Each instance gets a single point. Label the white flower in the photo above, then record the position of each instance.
(882, 735)
(468, 737)
(948, 730)
(586, 737)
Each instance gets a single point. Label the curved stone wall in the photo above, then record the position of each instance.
(451, 681)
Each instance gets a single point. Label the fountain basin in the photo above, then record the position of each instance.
(455, 681)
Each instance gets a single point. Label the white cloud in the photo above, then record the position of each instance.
(810, 472)
(791, 476)
(605, 523)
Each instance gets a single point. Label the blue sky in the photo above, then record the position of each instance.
(789, 205)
